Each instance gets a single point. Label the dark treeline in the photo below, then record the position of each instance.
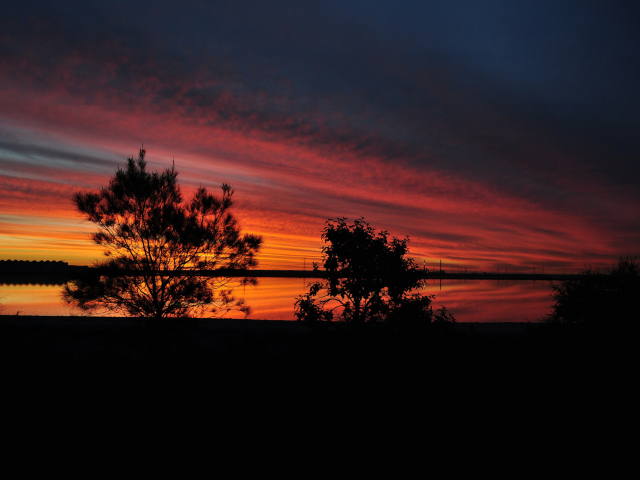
(42, 272)
(8, 267)
(33, 279)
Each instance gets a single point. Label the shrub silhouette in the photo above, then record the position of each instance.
(369, 280)
(599, 298)
(154, 243)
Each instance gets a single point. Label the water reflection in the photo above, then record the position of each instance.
(493, 300)
(469, 301)
(34, 300)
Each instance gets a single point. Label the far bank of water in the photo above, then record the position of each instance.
(273, 299)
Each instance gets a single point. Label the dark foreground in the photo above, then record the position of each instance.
(507, 388)
(91, 347)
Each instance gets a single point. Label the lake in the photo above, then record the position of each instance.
(273, 298)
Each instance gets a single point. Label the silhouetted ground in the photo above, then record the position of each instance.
(503, 386)
(509, 352)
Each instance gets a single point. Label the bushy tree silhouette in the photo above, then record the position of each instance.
(596, 298)
(154, 243)
(369, 279)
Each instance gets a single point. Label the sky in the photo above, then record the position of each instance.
(495, 134)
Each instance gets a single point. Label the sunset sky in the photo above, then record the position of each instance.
(495, 134)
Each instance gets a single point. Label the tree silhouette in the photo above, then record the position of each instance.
(155, 244)
(599, 298)
(369, 279)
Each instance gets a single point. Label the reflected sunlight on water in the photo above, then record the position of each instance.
(34, 300)
(273, 298)
(493, 300)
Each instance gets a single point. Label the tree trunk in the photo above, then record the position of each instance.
(356, 311)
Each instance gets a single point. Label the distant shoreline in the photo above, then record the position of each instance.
(13, 271)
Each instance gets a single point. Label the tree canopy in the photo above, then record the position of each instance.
(155, 243)
(598, 298)
(370, 279)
